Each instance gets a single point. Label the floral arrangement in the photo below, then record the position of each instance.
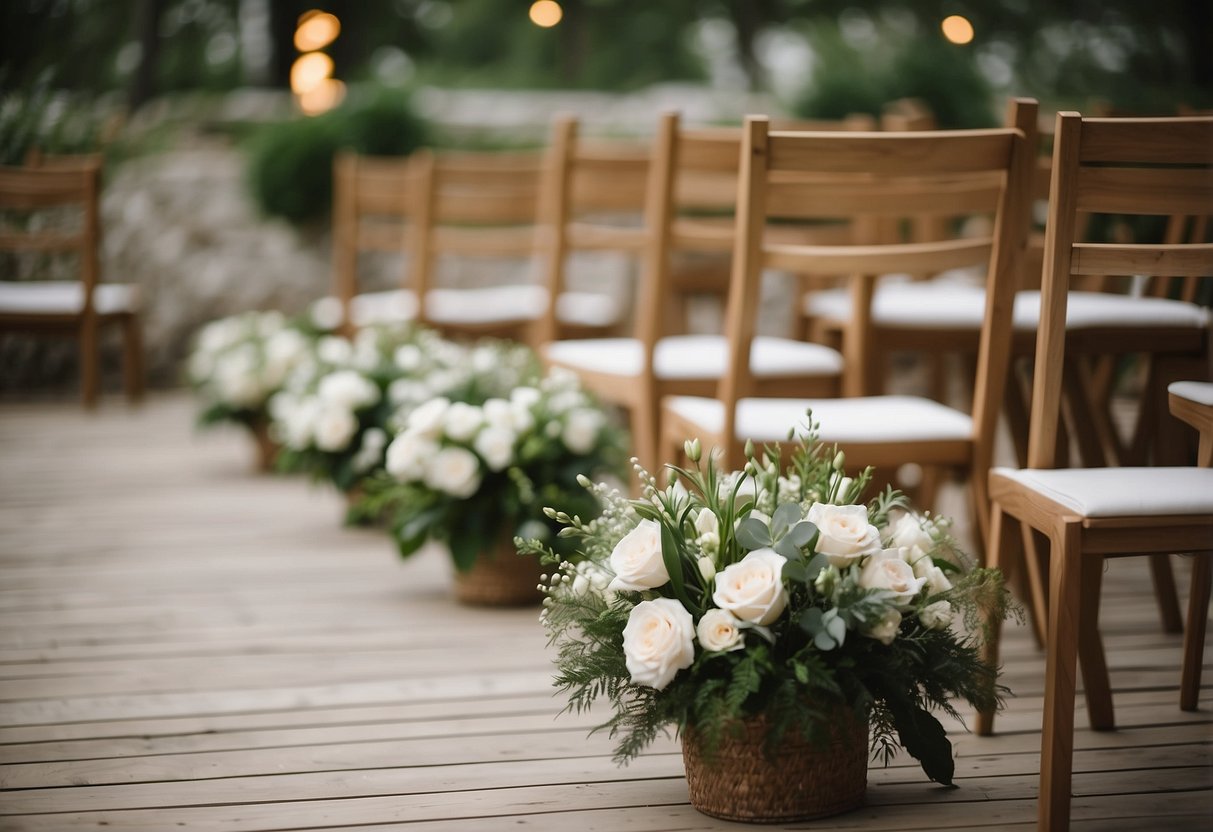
(335, 411)
(239, 362)
(773, 594)
(476, 469)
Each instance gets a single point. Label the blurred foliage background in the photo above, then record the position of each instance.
(75, 74)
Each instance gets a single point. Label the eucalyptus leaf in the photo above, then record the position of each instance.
(824, 641)
(786, 516)
(813, 568)
(835, 626)
(802, 534)
(789, 550)
(810, 621)
(753, 534)
(793, 570)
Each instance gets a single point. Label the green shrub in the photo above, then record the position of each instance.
(842, 83)
(291, 162)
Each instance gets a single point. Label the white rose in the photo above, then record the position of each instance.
(407, 357)
(581, 430)
(752, 589)
(283, 351)
(658, 641)
(347, 390)
(427, 419)
(296, 419)
(636, 559)
(908, 533)
(937, 616)
(407, 391)
(483, 359)
(334, 428)
(935, 578)
(524, 396)
(889, 571)
(407, 455)
(523, 419)
(497, 412)
(462, 420)
(844, 533)
(496, 445)
(719, 632)
(886, 629)
(455, 471)
(333, 350)
(327, 313)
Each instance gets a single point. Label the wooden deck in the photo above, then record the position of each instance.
(184, 644)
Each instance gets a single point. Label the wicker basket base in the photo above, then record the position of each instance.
(801, 782)
(267, 448)
(501, 578)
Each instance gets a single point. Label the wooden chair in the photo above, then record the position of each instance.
(486, 205)
(370, 215)
(893, 174)
(593, 202)
(692, 179)
(1111, 166)
(54, 216)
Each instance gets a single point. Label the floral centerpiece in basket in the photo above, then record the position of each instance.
(238, 363)
(776, 623)
(335, 412)
(476, 472)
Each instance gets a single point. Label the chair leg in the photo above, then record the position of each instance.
(1057, 731)
(90, 369)
(1000, 554)
(1090, 649)
(132, 359)
(1166, 594)
(1036, 554)
(1194, 633)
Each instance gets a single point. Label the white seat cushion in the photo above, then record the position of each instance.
(1119, 492)
(864, 419)
(952, 306)
(391, 306)
(525, 302)
(65, 297)
(1200, 392)
(695, 357)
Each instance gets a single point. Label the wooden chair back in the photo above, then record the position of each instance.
(824, 175)
(72, 193)
(470, 204)
(370, 212)
(1151, 167)
(593, 199)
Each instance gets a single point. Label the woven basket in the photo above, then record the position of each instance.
(800, 782)
(267, 448)
(500, 578)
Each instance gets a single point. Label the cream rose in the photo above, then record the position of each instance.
(427, 419)
(581, 430)
(752, 589)
(886, 629)
(889, 571)
(908, 533)
(347, 390)
(407, 455)
(496, 445)
(334, 428)
(719, 631)
(453, 470)
(462, 420)
(937, 616)
(658, 641)
(636, 559)
(844, 533)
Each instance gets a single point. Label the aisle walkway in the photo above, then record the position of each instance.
(184, 644)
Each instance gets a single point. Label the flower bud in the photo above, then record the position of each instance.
(749, 448)
(706, 568)
(840, 459)
(694, 450)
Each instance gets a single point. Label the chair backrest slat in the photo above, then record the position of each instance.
(1157, 166)
(890, 154)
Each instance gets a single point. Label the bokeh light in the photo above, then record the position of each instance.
(957, 29)
(324, 96)
(316, 30)
(546, 13)
(309, 71)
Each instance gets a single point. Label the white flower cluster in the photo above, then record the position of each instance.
(660, 636)
(240, 361)
(450, 445)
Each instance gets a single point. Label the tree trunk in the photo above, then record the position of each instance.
(143, 85)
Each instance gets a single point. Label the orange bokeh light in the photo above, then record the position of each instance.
(957, 29)
(546, 13)
(324, 96)
(316, 30)
(310, 71)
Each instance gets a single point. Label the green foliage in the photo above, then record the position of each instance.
(291, 162)
(39, 118)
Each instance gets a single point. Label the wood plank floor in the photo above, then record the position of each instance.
(184, 644)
